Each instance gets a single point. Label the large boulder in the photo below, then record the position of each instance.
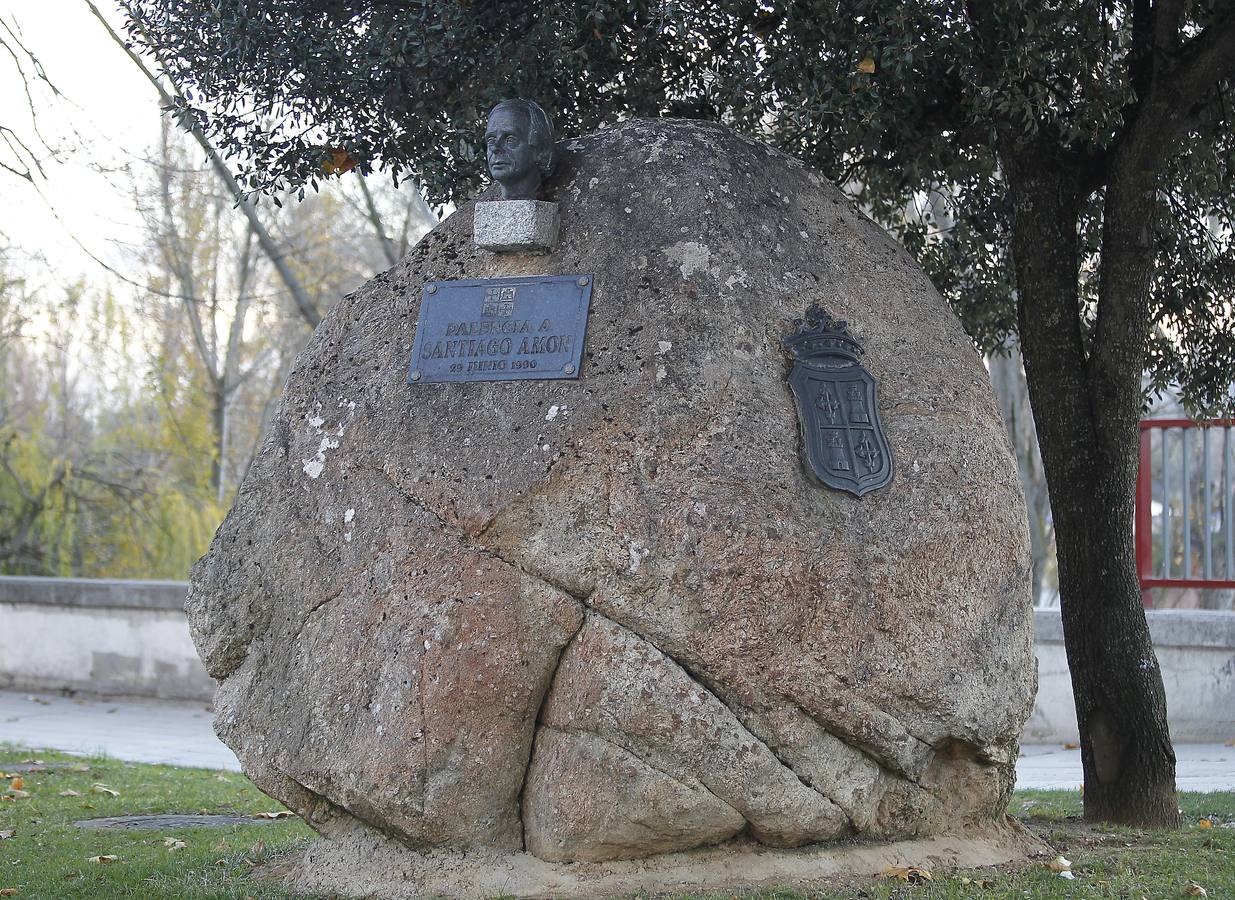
(614, 617)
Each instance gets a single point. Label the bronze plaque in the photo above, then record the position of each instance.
(501, 329)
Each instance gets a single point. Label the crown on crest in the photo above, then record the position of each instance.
(817, 334)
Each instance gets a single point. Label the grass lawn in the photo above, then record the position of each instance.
(46, 857)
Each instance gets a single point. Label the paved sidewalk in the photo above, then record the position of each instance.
(1198, 767)
(149, 731)
(180, 734)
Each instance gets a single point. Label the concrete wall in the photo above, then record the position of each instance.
(1196, 651)
(116, 638)
(129, 638)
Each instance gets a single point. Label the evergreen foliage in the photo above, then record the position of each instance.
(906, 102)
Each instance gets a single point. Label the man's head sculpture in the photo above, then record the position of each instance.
(519, 148)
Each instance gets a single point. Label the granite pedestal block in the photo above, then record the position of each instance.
(504, 226)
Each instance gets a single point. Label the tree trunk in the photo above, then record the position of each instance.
(1008, 379)
(218, 421)
(1089, 450)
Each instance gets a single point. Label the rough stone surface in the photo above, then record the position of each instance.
(503, 226)
(614, 616)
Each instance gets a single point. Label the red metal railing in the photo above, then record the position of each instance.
(1175, 475)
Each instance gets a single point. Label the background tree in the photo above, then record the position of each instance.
(1086, 149)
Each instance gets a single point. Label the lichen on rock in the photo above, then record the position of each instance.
(614, 616)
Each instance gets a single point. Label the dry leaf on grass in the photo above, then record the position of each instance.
(1071, 745)
(1204, 823)
(14, 792)
(1195, 890)
(8, 892)
(912, 874)
(172, 843)
(1058, 864)
(103, 860)
(5, 835)
(69, 794)
(279, 814)
(17, 782)
(1067, 873)
(100, 788)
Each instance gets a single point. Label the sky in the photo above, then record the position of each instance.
(107, 119)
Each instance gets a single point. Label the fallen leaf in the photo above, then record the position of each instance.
(8, 892)
(220, 862)
(13, 792)
(103, 860)
(1231, 742)
(5, 835)
(69, 793)
(18, 782)
(1195, 890)
(172, 843)
(1067, 873)
(1204, 823)
(1058, 864)
(100, 788)
(912, 874)
(338, 162)
(867, 65)
(1070, 745)
(278, 814)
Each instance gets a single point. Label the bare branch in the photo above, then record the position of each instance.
(308, 310)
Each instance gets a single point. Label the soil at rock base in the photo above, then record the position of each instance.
(392, 872)
(612, 617)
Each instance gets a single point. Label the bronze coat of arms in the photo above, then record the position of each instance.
(837, 407)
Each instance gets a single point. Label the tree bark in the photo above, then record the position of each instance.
(1086, 406)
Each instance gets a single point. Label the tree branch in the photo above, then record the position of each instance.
(272, 250)
(1204, 61)
(1161, 115)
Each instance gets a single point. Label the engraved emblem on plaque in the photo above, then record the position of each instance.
(842, 437)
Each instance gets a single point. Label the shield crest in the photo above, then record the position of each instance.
(836, 398)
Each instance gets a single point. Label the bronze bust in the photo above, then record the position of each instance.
(519, 148)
